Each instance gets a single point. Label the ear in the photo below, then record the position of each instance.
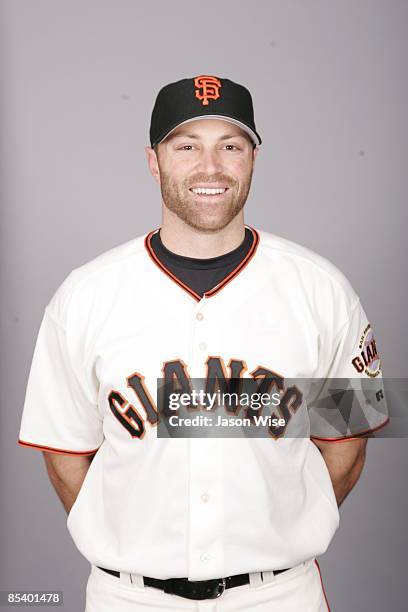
(153, 163)
(256, 149)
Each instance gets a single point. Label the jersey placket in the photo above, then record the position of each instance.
(206, 470)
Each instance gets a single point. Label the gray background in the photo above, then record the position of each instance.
(78, 82)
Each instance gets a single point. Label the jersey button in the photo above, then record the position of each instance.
(205, 557)
(205, 497)
(202, 346)
(199, 316)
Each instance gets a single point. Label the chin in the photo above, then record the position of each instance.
(202, 218)
(208, 225)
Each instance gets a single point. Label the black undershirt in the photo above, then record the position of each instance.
(201, 275)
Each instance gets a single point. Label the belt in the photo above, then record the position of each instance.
(199, 589)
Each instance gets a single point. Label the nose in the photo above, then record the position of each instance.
(209, 161)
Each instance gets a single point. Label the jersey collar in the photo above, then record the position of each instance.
(220, 285)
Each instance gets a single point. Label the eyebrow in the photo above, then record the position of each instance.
(195, 137)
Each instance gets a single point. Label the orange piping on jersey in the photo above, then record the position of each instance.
(59, 451)
(356, 437)
(239, 267)
(321, 580)
(218, 287)
(166, 270)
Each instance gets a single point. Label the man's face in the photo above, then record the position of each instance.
(200, 155)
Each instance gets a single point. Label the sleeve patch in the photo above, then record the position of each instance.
(367, 359)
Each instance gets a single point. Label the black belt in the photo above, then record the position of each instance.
(198, 589)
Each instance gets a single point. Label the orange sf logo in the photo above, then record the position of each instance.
(208, 88)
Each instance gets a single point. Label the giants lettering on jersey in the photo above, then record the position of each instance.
(368, 361)
(176, 375)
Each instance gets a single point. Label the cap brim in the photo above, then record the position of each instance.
(253, 135)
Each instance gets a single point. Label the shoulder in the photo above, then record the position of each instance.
(313, 270)
(89, 281)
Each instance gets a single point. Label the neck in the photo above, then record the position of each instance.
(187, 241)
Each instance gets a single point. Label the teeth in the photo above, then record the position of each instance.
(201, 190)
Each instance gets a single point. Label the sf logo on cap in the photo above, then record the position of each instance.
(208, 88)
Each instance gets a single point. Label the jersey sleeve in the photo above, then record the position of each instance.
(347, 400)
(60, 411)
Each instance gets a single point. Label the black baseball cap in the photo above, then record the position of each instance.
(202, 97)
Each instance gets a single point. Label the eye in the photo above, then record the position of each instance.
(185, 148)
(232, 147)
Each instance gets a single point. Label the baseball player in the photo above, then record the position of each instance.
(223, 523)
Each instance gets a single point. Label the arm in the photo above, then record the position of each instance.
(345, 462)
(67, 474)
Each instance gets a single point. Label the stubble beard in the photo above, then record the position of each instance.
(204, 217)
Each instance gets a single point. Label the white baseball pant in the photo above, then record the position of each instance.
(299, 589)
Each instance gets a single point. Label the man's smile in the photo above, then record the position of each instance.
(209, 192)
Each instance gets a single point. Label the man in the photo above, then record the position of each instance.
(208, 522)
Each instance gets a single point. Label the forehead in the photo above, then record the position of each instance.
(200, 128)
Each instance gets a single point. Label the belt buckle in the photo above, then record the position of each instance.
(199, 589)
(223, 585)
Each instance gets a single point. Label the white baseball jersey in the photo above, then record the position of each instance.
(197, 508)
